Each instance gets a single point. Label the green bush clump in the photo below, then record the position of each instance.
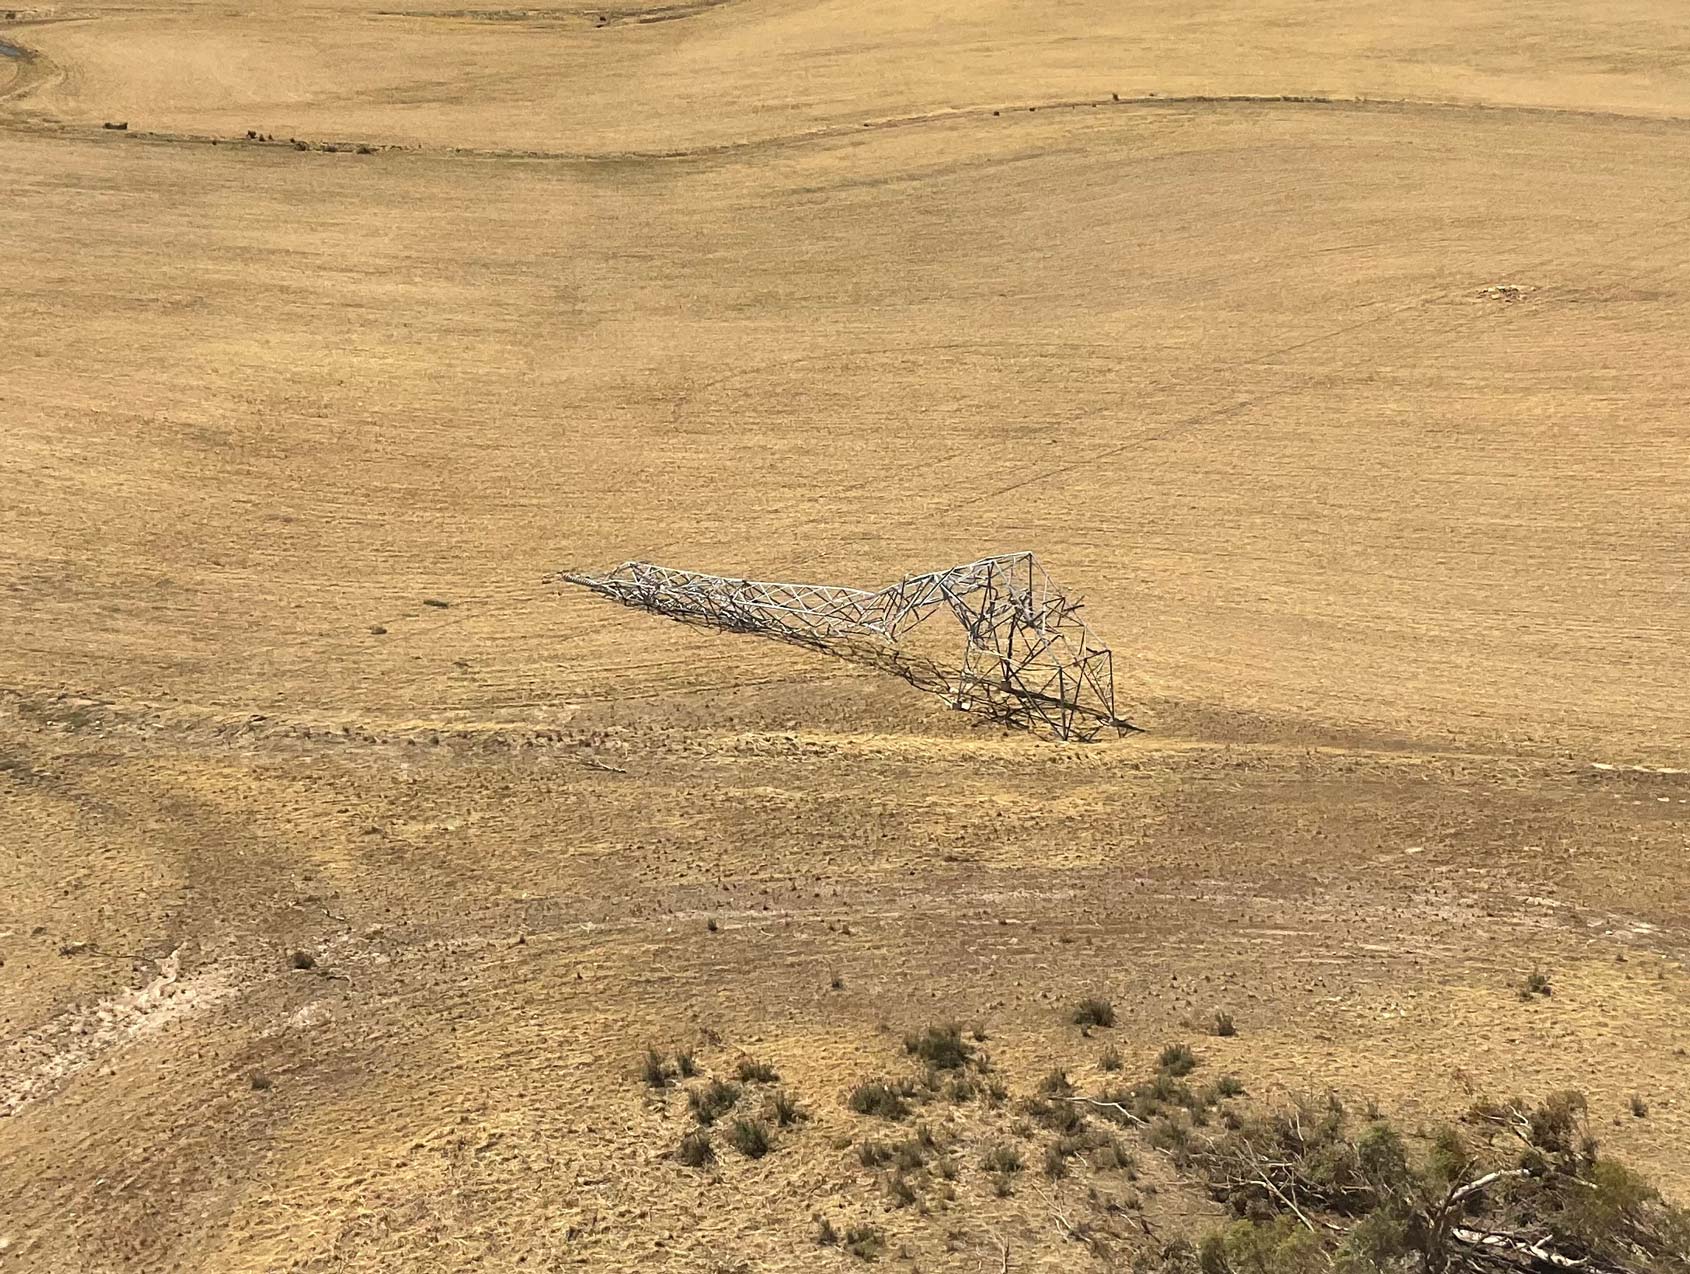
(1316, 1191)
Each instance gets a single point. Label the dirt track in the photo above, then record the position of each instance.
(1393, 564)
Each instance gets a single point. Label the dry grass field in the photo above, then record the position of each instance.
(1335, 353)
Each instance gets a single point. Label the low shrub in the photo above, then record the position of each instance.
(909, 1156)
(695, 1149)
(1055, 1162)
(785, 1108)
(1058, 1116)
(940, 1047)
(654, 1070)
(865, 1242)
(1144, 1101)
(710, 1102)
(1172, 1134)
(871, 1154)
(880, 1098)
(1112, 1155)
(1176, 1256)
(1056, 1084)
(1282, 1246)
(1176, 1060)
(961, 1089)
(1093, 1011)
(751, 1137)
(752, 1071)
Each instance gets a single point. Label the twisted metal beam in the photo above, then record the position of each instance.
(1027, 658)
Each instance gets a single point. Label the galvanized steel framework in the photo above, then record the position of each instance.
(1027, 657)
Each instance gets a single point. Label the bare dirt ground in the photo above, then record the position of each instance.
(1198, 302)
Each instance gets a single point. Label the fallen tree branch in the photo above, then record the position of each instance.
(1108, 1105)
(1492, 1242)
(1064, 1222)
(1284, 1198)
(1479, 1183)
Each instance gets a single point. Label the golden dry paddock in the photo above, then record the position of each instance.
(1335, 353)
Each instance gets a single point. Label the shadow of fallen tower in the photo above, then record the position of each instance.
(1027, 659)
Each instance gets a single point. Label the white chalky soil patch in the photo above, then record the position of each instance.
(42, 1061)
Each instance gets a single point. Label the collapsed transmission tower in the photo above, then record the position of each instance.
(1027, 657)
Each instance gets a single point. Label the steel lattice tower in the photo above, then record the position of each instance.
(1027, 658)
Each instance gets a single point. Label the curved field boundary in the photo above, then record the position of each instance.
(836, 131)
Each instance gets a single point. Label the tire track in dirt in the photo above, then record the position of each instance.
(150, 723)
(1209, 415)
(32, 68)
